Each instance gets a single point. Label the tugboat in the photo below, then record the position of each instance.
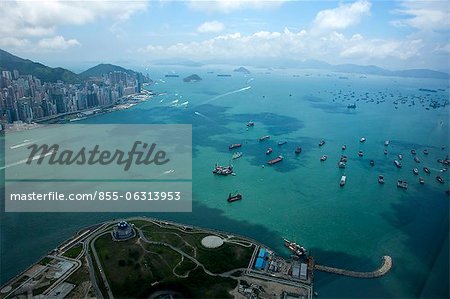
(421, 181)
(402, 184)
(372, 162)
(360, 153)
(425, 152)
(235, 145)
(223, 170)
(264, 138)
(322, 142)
(236, 155)
(298, 150)
(362, 140)
(380, 179)
(323, 158)
(237, 196)
(385, 152)
(281, 143)
(250, 124)
(343, 180)
(276, 160)
(269, 151)
(398, 164)
(413, 151)
(344, 147)
(439, 179)
(415, 171)
(386, 143)
(341, 164)
(426, 170)
(295, 248)
(400, 156)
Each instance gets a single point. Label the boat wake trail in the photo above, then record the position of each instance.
(227, 94)
(204, 116)
(25, 160)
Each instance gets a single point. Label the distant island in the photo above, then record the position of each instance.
(242, 70)
(192, 78)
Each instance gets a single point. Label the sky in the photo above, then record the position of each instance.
(391, 34)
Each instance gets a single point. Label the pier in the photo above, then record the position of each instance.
(384, 268)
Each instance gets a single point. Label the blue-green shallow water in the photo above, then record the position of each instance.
(299, 198)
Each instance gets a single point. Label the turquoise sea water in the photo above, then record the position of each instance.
(300, 197)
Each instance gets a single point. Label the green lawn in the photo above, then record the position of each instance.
(73, 252)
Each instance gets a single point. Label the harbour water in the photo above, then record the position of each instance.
(300, 198)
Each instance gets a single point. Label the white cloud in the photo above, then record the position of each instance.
(345, 15)
(424, 15)
(57, 43)
(15, 43)
(227, 6)
(213, 26)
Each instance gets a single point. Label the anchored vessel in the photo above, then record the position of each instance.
(381, 179)
(426, 170)
(250, 124)
(322, 142)
(323, 158)
(343, 180)
(276, 160)
(234, 145)
(236, 197)
(402, 184)
(264, 138)
(295, 248)
(236, 155)
(386, 143)
(415, 171)
(223, 170)
(269, 151)
(398, 164)
(298, 150)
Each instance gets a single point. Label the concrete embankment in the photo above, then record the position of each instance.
(385, 267)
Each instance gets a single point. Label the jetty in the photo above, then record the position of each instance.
(384, 268)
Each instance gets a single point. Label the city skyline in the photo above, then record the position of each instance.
(393, 35)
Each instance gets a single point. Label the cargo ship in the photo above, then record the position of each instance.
(264, 138)
(236, 197)
(276, 160)
(235, 145)
(295, 248)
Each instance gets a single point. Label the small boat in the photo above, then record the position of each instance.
(362, 140)
(323, 158)
(280, 143)
(276, 160)
(344, 147)
(385, 152)
(416, 159)
(232, 198)
(372, 162)
(386, 143)
(360, 153)
(343, 159)
(426, 170)
(439, 179)
(235, 145)
(322, 142)
(443, 170)
(223, 170)
(236, 155)
(343, 180)
(351, 106)
(402, 184)
(298, 150)
(264, 138)
(415, 171)
(400, 156)
(341, 164)
(421, 181)
(425, 152)
(269, 151)
(398, 164)
(380, 179)
(413, 151)
(250, 124)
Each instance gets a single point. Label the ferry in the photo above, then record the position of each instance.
(343, 180)
(402, 184)
(236, 197)
(425, 152)
(385, 152)
(415, 171)
(276, 160)
(269, 151)
(235, 145)
(341, 164)
(250, 124)
(386, 143)
(439, 179)
(344, 147)
(223, 170)
(398, 164)
(400, 156)
(236, 155)
(298, 150)
(362, 140)
(360, 153)
(280, 143)
(413, 151)
(295, 248)
(421, 180)
(372, 162)
(426, 170)
(322, 142)
(380, 179)
(264, 138)
(416, 159)
(323, 158)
